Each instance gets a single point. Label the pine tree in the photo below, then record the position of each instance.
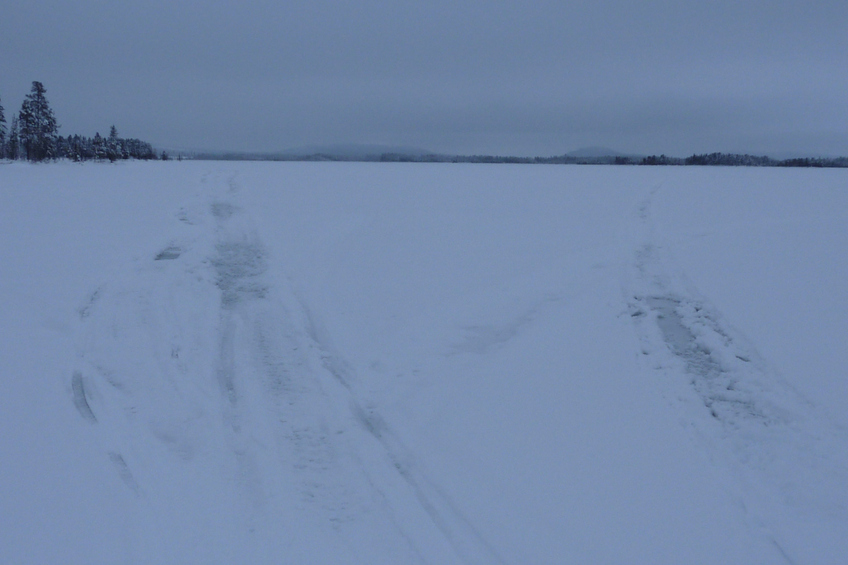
(2, 133)
(99, 147)
(3, 137)
(13, 147)
(113, 145)
(38, 127)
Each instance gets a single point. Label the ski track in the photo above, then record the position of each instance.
(277, 392)
(772, 440)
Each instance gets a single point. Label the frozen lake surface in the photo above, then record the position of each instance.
(228, 362)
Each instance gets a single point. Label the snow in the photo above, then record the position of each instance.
(422, 363)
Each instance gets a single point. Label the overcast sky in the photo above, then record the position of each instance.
(464, 76)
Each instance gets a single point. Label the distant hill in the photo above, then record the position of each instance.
(353, 150)
(583, 156)
(588, 152)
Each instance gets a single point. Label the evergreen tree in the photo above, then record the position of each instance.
(38, 127)
(13, 147)
(99, 147)
(2, 133)
(113, 145)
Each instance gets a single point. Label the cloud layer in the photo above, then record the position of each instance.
(468, 76)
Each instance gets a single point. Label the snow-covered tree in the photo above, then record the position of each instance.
(13, 147)
(113, 145)
(2, 133)
(38, 127)
(99, 146)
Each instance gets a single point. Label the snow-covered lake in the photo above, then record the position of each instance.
(399, 363)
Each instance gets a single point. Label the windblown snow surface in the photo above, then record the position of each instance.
(394, 363)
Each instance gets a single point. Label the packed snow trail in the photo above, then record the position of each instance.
(787, 459)
(204, 377)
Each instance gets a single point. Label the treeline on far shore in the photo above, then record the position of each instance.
(737, 160)
(707, 159)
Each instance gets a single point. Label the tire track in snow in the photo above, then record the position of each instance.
(771, 438)
(240, 264)
(80, 399)
(195, 362)
(466, 540)
(133, 357)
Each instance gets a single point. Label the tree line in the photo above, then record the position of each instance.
(707, 159)
(743, 160)
(33, 135)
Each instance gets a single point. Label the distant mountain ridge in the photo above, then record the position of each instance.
(354, 150)
(591, 155)
(595, 151)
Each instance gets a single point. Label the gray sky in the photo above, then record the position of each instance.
(464, 76)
